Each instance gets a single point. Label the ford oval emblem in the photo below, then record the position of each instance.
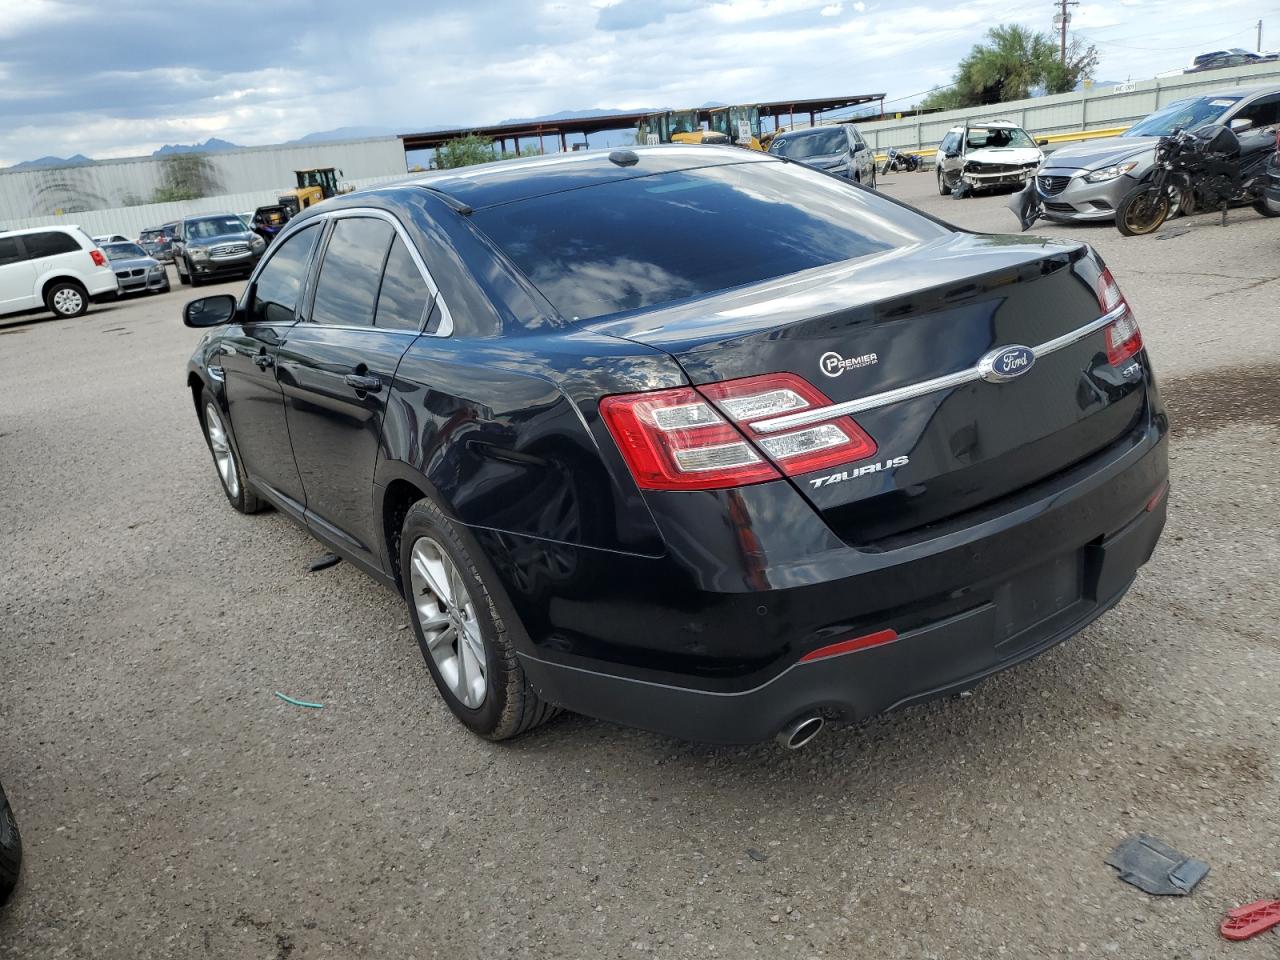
(1006, 363)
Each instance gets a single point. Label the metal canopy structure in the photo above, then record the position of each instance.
(526, 130)
(562, 129)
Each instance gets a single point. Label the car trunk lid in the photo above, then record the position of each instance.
(907, 330)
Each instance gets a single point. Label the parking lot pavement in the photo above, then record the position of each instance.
(173, 807)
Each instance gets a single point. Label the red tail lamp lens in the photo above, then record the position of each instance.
(811, 447)
(98, 259)
(1124, 339)
(878, 639)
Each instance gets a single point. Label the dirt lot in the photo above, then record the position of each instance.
(173, 807)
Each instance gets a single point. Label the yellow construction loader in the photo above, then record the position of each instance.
(319, 183)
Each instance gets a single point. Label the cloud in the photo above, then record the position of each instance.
(832, 10)
(80, 80)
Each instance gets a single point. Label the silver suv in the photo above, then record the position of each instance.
(213, 246)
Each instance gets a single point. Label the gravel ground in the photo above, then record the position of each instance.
(172, 807)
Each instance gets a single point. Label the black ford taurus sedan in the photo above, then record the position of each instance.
(691, 438)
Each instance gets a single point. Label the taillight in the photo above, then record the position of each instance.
(1124, 339)
(675, 440)
(701, 439)
(98, 259)
(807, 448)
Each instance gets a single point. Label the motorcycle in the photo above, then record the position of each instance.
(1202, 169)
(899, 160)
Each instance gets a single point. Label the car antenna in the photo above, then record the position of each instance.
(623, 158)
(454, 202)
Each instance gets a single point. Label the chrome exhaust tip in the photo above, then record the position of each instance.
(800, 731)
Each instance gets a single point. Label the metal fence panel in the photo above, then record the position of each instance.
(131, 221)
(1092, 109)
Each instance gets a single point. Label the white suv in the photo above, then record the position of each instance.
(59, 267)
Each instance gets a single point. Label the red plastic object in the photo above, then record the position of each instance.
(848, 646)
(1251, 919)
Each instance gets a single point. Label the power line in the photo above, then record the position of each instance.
(1202, 44)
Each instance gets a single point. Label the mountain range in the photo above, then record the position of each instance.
(214, 144)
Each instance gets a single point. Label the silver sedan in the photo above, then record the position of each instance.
(1088, 181)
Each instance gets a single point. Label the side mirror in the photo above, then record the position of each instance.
(951, 154)
(210, 311)
(1042, 143)
(1240, 124)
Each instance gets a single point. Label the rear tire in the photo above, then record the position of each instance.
(465, 629)
(10, 849)
(943, 189)
(67, 299)
(1142, 211)
(225, 461)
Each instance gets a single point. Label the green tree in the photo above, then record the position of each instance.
(465, 151)
(475, 149)
(1009, 64)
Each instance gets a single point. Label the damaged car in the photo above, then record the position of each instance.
(1087, 181)
(984, 155)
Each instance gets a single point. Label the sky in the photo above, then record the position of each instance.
(122, 78)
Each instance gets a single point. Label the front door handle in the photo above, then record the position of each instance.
(264, 360)
(363, 384)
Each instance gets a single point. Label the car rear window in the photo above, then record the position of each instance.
(646, 241)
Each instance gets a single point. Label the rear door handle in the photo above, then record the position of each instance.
(264, 360)
(363, 384)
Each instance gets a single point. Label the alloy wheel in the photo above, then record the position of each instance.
(223, 456)
(68, 301)
(447, 616)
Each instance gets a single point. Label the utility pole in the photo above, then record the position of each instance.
(1259, 48)
(1060, 20)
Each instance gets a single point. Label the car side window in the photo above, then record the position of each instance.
(404, 294)
(347, 289)
(275, 292)
(10, 252)
(1264, 112)
(49, 244)
(855, 139)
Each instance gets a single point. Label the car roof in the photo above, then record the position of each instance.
(1009, 124)
(505, 181)
(60, 228)
(209, 216)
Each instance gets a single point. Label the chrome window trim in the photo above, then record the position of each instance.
(914, 390)
(445, 328)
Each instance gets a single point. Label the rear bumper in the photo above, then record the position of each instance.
(930, 661)
(706, 642)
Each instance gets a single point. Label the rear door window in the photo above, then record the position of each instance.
(50, 244)
(347, 288)
(275, 292)
(650, 240)
(404, 294)
(10, 252)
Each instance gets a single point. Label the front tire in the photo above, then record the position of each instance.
(67, 299)
(943, 189)
(10, 849)
(225, 462)
(1266, 208)
(464, 638)
(1142, 211)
